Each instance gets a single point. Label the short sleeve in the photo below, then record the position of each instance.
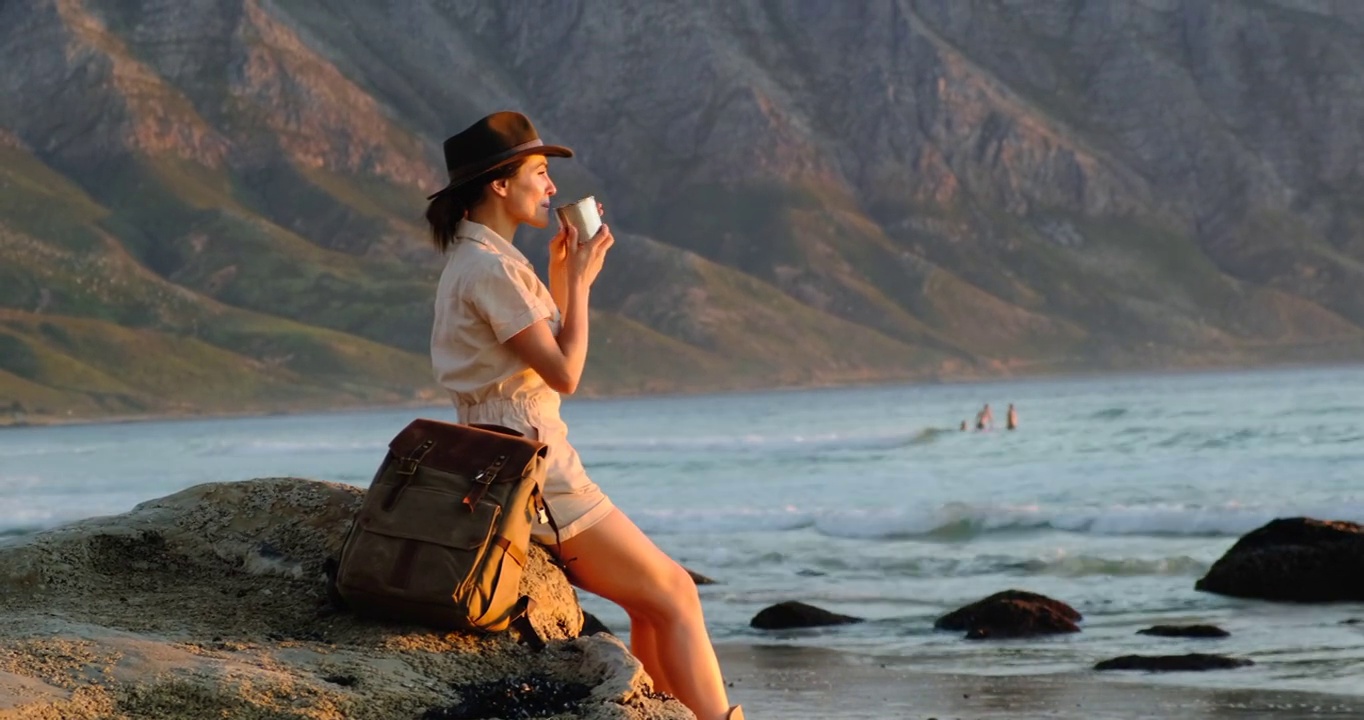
(505, 296)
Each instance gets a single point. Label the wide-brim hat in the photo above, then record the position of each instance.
(490, 143)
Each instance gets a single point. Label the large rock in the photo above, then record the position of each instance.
(593, 625)
(210, 603)
(1011, 614)
(1190, 662)
(1294, 559)
(793, 614)
(698, 578)
(1185, 631)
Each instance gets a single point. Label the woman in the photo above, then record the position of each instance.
(505, 347)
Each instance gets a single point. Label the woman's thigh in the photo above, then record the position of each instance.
(616, 560)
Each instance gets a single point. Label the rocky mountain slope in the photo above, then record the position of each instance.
(215, 204)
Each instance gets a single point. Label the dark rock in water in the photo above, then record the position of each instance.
(1351, 621)
(1012, 614)
(807, 572)
(792, 614)
(592, 626)
(1189, 631)
(1293, 559)
(534, 696)
(1173, 663)
(698, 578)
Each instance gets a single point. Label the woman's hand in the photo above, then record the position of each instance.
(585, 258)
(558, 246)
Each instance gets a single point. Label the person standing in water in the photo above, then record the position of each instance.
(1012, 419)
(505, 346)
(985, 419)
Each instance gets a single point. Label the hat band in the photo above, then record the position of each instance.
(468, 169)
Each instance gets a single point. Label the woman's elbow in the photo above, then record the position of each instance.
(563, 383)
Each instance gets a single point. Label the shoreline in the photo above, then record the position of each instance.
(50, 421)
(798, 683)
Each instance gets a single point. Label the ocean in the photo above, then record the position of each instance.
(1115, 495)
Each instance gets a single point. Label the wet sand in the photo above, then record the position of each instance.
(793, 683)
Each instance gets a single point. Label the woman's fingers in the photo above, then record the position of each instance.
(588, 256)
(602, 240)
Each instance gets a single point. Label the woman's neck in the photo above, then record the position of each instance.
(493, 217)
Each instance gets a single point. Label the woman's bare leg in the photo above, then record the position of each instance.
(644, 645)
(616, 560)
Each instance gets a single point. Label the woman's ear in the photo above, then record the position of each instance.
(500, 186)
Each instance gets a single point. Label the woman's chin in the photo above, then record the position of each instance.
(541, 219)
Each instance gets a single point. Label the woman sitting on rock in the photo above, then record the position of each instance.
(505, 346)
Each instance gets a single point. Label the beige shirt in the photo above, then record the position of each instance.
(488, 292)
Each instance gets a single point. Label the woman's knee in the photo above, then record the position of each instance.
(666, 595)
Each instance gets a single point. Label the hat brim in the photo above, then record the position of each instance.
(547, 150)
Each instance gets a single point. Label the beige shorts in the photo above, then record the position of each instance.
(575, 502)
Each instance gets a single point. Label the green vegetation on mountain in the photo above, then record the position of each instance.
(218, 208)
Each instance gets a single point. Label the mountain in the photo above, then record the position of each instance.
(215, 205)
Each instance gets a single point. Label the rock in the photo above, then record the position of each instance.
(1189, 631)
(533, 696)
(1173, 663)
(793, 614)
(1352, 621)
(698, 578)
(592, 625)
(1293, 559)
(210, 603)
(1011, 614)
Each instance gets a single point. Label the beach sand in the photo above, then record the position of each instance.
(795, 683)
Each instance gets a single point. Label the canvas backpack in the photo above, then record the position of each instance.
(442, 534)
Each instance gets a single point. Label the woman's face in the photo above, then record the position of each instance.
(528, 192)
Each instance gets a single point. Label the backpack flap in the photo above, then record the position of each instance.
(462, 449)
(479, 453)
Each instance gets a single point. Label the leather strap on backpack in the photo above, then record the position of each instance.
(407, 467)
(521, 622)
(482, 480)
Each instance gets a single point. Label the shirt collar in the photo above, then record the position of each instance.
(484, 235)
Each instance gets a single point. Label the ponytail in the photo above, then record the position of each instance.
(448, 208)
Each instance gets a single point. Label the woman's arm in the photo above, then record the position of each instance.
(560, 360)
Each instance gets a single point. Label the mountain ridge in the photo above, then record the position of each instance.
(906, 190)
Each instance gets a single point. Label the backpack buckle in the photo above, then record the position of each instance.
(408, 464)
(407, 467)
(482, 480)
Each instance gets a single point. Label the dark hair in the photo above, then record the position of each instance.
(447, 209)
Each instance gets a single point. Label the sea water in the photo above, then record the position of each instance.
(1114, 495)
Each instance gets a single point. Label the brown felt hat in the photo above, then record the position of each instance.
(490, 143)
